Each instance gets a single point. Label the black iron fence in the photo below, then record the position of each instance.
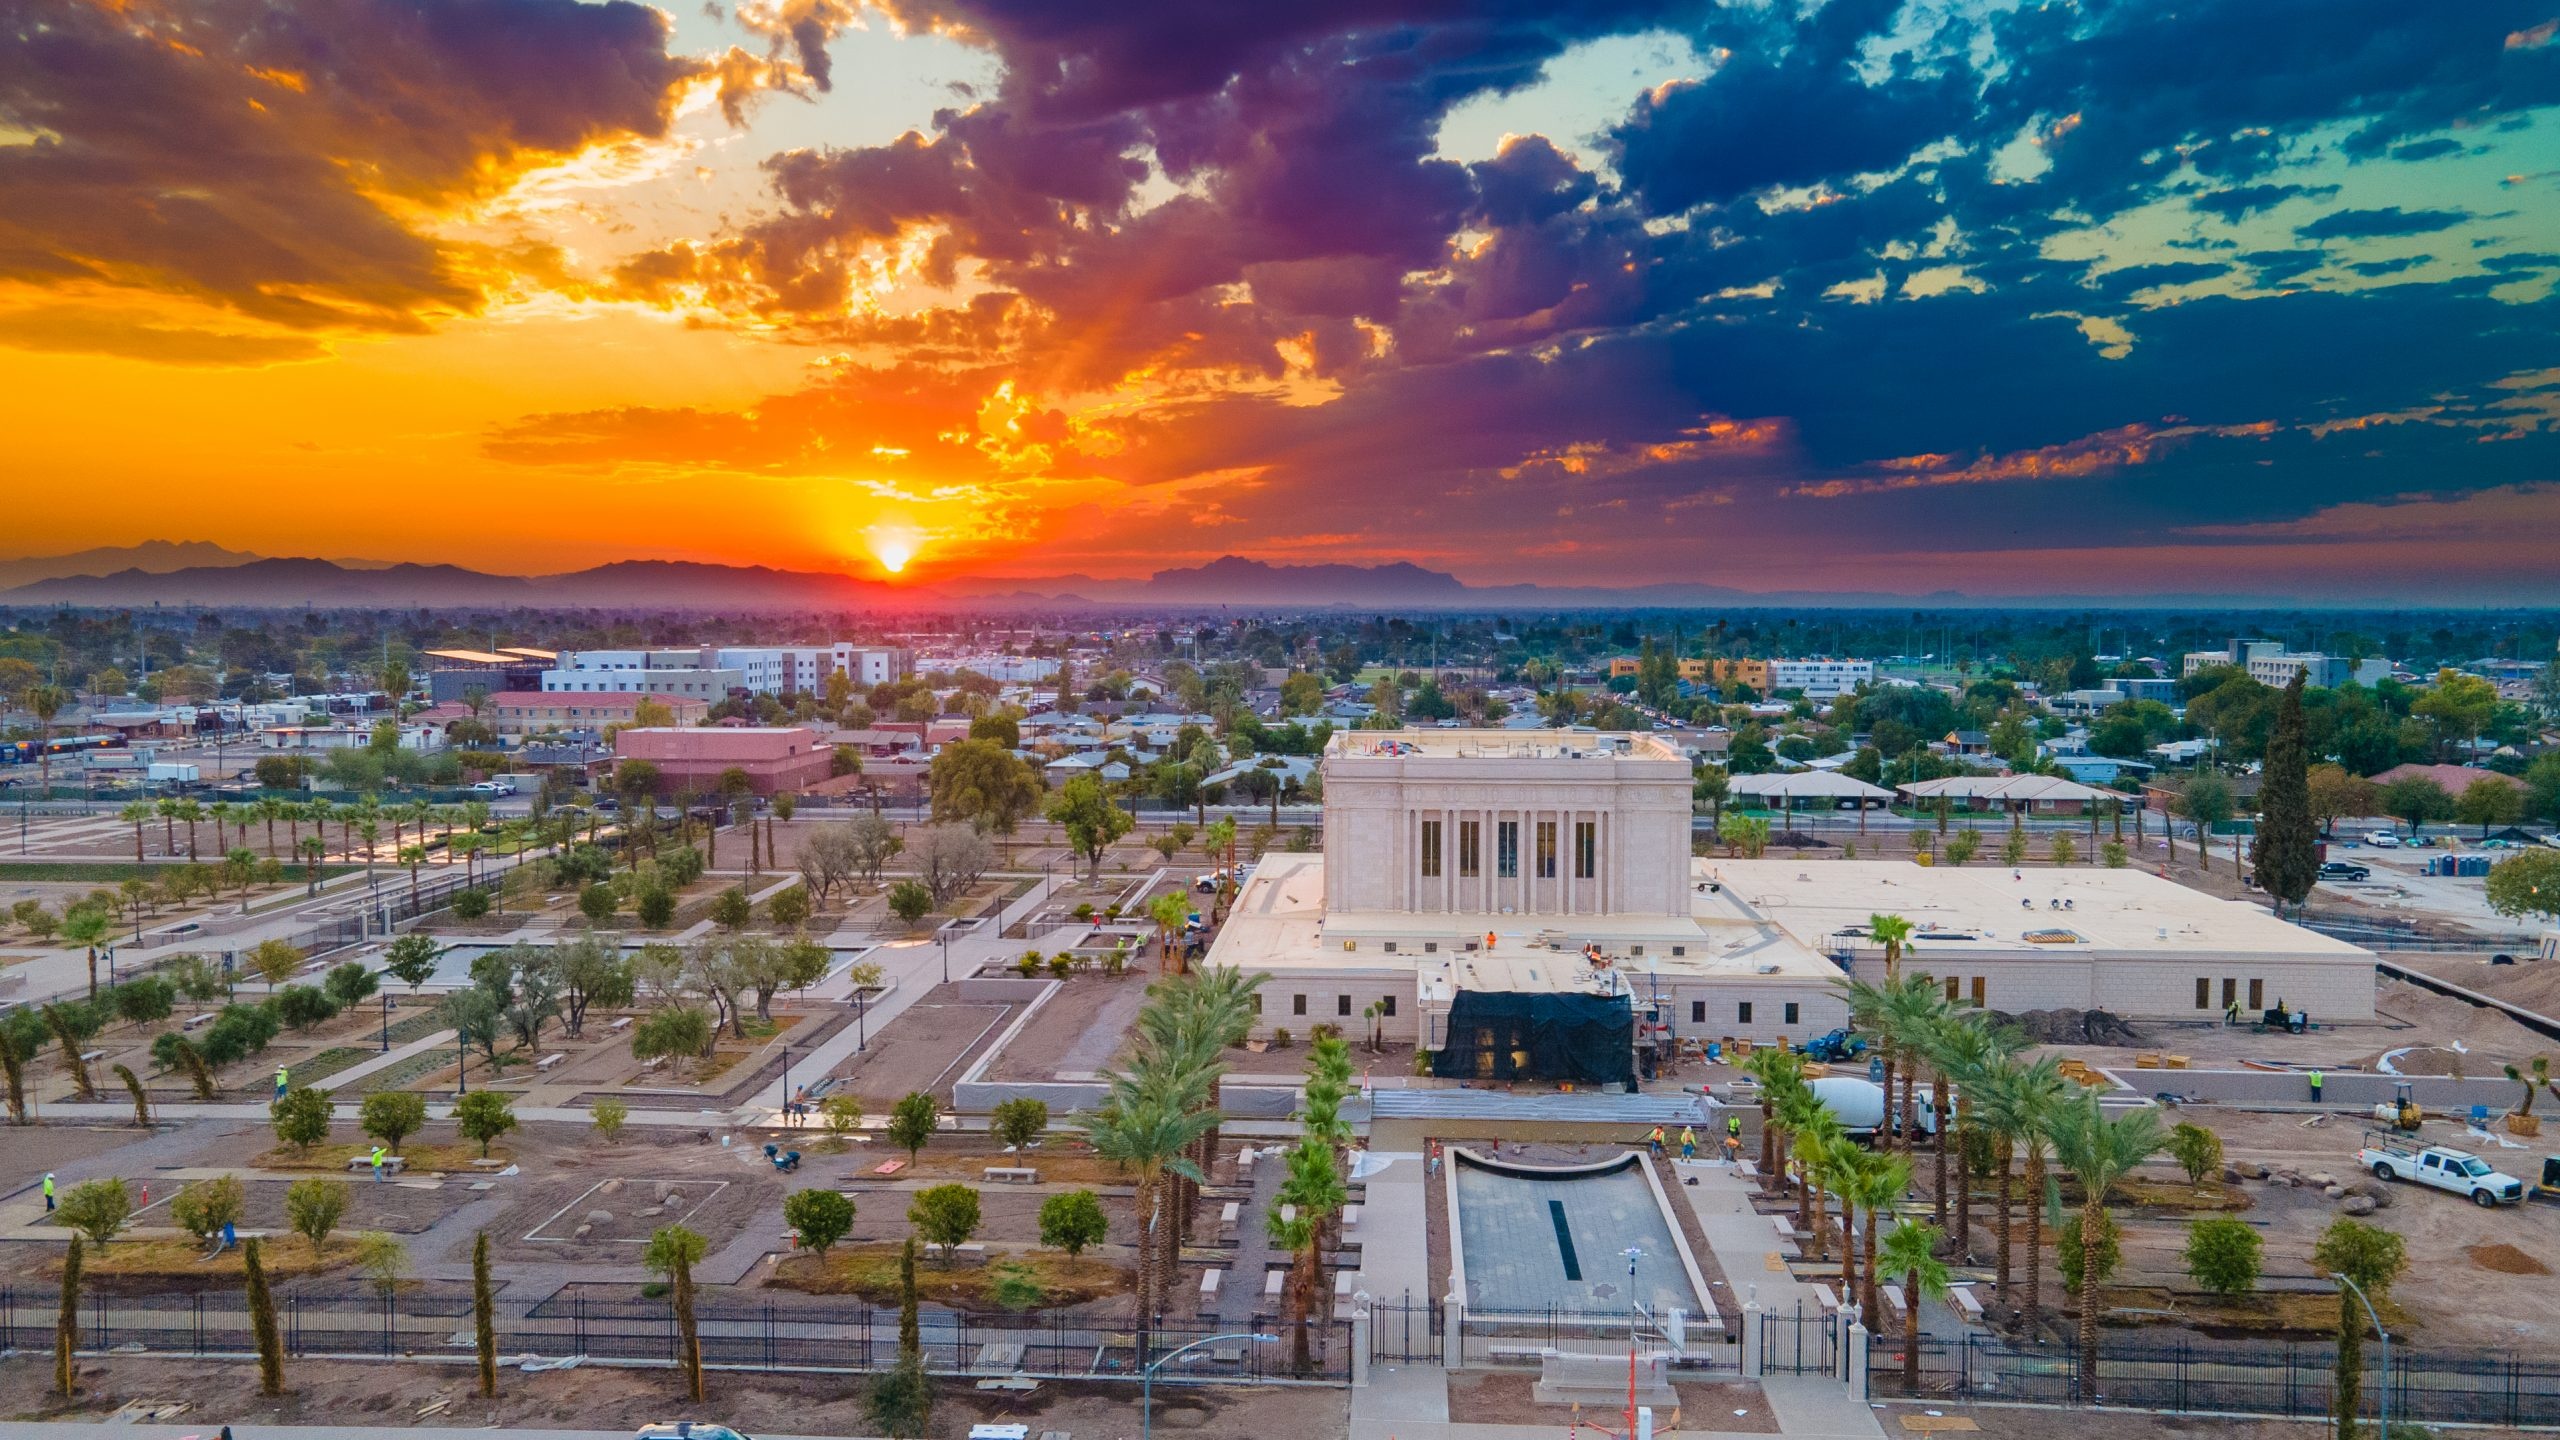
(814, 1335)
(1405, 1329)
(2239, 1377)
(1799, 1342)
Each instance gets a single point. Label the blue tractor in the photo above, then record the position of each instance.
(1835, 1047)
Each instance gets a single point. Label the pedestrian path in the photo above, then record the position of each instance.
(358, 1071)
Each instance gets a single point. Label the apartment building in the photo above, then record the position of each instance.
(2269, 663)
(712, 672)
(518, 713)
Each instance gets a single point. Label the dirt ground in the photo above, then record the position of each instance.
(2025, 1422)
(2528, 983)
(1481, 1397)
(1081, 1029)
(542, 1225)
(1007, 1215)
(926, 1047)
(352, 1393)
(2459, 1292)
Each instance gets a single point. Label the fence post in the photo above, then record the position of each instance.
(1857, 1367)
(1752, 1340)
(1360, 1326)
(1453, 1339)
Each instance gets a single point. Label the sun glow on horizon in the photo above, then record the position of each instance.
(893, 546)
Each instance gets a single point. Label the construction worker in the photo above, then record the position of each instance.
(376, 1159)
(1688, 1143)
(283, 1075)
(1652, 1141)
(1733, 1149)
(2315, 1087)
(1733, 1128)
(48, 1190)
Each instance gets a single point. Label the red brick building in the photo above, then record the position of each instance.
(775, 758)
(533, 712)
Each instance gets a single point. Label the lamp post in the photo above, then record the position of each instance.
(861, 1013)
(386, 1022)
(462, 1065)
(2382, 1390)
(1147, 1377)
(787, 1115)
(944, 935)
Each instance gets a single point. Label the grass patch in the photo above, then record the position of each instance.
(305, 1071)
(109, 872)
(283, 1255)
(1056, 1166)
(1027, 1280)
(2289, 1313)
(2179, 1195)
(398, 1075)
(332, 1158)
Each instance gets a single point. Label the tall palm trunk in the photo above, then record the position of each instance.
(1938, 1108)
(2093, 1219)
(1848, 1253)
(1964, 1176)
(2001, 1210)
(1806, 1221)
(1911, 1334)
(1870, 1262)
(1884, 1129)
(1768, 1140)
(2035, 1236)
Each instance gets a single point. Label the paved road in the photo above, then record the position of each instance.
(30, 1430)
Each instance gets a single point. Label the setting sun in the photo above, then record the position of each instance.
(893, 546)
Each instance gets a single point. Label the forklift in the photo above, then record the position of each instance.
(2401, 1112)
(2547, 1189)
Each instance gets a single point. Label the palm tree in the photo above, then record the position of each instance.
(167, 806)
(1145, 1131)
(372, 831)
(269, 809)
(45, 702)
(1915, 1009)
(1892, 932)
(221, 811)
(88, 929)
(292, 811)
(1777, 1072)
(1811, 1130)
(1910, 1251)
(1962, 1050)
(1315, 1193)
(1874, 1183)
(413, 856)
(2046, 1091)
(2100, 1150)
(135, 813)
(190, 814)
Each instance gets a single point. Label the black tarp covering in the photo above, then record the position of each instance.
(1505, 1035)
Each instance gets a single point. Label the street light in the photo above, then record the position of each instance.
(2382, 1391)
(944, 935)
(386, 1022)
(1147, 1377)
(786, 1083)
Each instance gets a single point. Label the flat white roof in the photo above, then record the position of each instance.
(2006, 787)
(2039, 909)
(1439, 744)
(1279, 923)
(1809, 782)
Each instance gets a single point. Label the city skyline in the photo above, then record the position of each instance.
(2244, 298)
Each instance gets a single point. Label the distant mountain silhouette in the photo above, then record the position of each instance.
(235, 581)
(156, 557)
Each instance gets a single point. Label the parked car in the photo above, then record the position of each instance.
(489, 787)
(2344, 870)
(689, 1430)
(2383, 840)
(2458, 1171)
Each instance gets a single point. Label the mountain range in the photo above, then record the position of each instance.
(198, 573)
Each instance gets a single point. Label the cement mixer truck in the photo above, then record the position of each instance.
(1859, 1104)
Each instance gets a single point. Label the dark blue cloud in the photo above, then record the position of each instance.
(2244, 200)
(2386, 222)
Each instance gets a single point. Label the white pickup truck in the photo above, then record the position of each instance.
(2459, 1171)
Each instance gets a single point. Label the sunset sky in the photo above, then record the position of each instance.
(2111, 296)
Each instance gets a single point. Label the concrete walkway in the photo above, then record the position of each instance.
(358, 1071)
